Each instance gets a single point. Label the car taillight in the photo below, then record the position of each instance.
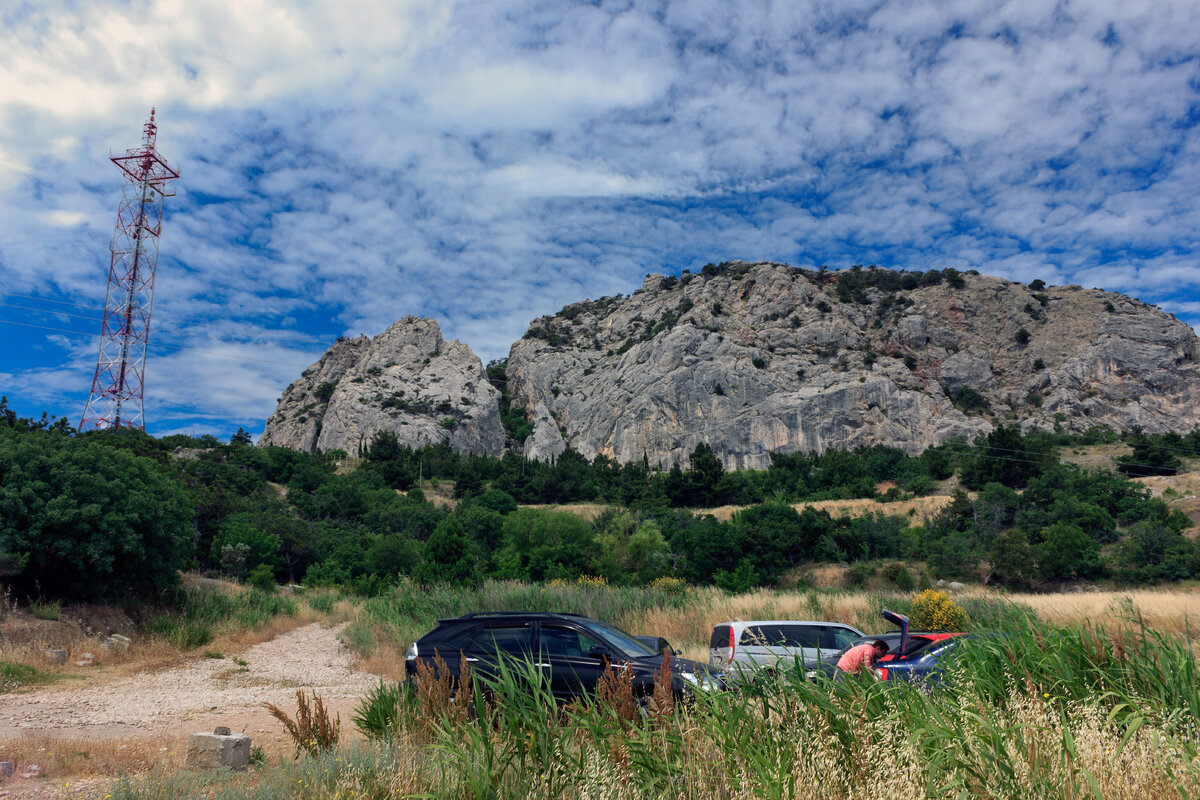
(732, 643)
(881, 673)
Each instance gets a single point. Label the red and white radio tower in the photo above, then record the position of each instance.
(116, 398)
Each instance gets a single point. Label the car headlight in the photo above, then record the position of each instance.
(705, 681)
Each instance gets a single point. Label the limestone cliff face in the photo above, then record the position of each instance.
(407, 380)
(753, 358)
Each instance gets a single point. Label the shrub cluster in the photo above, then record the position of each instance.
(932, 610)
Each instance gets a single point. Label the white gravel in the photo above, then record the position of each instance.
(205, 689)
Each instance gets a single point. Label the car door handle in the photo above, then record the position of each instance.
(541, 664)
(469, 659)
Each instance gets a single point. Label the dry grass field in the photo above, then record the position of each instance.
(1181, 492)
(1096, 456)
(585, 511)
(88, 765)
(1175, 611)
(916, 507)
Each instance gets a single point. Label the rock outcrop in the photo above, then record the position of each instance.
(755, 358)
(407, 380)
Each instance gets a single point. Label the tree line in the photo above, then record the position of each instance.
(116, 514)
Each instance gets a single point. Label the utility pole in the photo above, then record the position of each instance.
(118, 384)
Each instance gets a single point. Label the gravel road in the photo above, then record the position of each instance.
(218, 688)
(168, 705)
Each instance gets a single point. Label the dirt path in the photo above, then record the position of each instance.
(163, 708)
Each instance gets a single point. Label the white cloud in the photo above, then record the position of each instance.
(64, 219)
(485, 163)
(555, 179)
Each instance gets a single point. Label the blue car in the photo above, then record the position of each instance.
(912, 657)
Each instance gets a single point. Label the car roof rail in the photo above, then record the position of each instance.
(483, 614)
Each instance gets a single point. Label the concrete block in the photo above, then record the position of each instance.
(211, 750)
(56, 656)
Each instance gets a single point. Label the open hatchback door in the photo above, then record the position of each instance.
(902, 622)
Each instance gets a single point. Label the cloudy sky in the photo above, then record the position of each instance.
(483, 163)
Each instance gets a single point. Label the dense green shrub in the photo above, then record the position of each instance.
(81, 520)
(261, 578)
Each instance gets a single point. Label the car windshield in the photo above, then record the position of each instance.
(619, 639)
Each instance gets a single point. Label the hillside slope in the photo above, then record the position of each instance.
(753, 358)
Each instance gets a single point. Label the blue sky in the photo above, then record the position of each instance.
(483, 163)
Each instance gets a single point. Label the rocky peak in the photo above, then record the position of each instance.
(407, 380)
(754, 358)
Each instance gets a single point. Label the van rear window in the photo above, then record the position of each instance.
(781, 636)
(720, 637)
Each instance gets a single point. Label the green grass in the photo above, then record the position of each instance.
(14, 675)
(46, 609)
(198, 614)
(322, 600)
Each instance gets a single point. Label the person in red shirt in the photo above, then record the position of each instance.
(859, 656)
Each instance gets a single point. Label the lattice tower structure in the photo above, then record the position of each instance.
(116, 399)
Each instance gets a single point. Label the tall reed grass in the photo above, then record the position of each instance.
(685, 618)
(1101, 708)
(1046, 712)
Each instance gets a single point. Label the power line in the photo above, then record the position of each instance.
(51, 311)
(48, 300)
(158, 344)
(169, 321)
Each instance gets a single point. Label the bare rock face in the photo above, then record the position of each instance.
(546, 441)
(407, 380)
(755, 358)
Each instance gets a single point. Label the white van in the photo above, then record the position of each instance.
(769, 645)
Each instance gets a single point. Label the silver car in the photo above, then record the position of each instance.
(769, 645)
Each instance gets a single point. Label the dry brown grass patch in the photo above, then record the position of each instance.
(69, 756)
(585, 511)
(144, 654)
(917, 506)
(386, 661)
(1172, 611)
(828, 576)
(1097, 456)
(440, 493)
(238, 640)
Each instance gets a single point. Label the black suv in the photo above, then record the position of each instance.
(572, 650)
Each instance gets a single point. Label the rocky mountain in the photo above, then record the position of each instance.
(753, 358)
(407, 380)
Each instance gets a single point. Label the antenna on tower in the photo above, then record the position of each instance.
(117, 387)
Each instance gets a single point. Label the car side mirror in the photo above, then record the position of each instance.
(678, 653)
(599, 651)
